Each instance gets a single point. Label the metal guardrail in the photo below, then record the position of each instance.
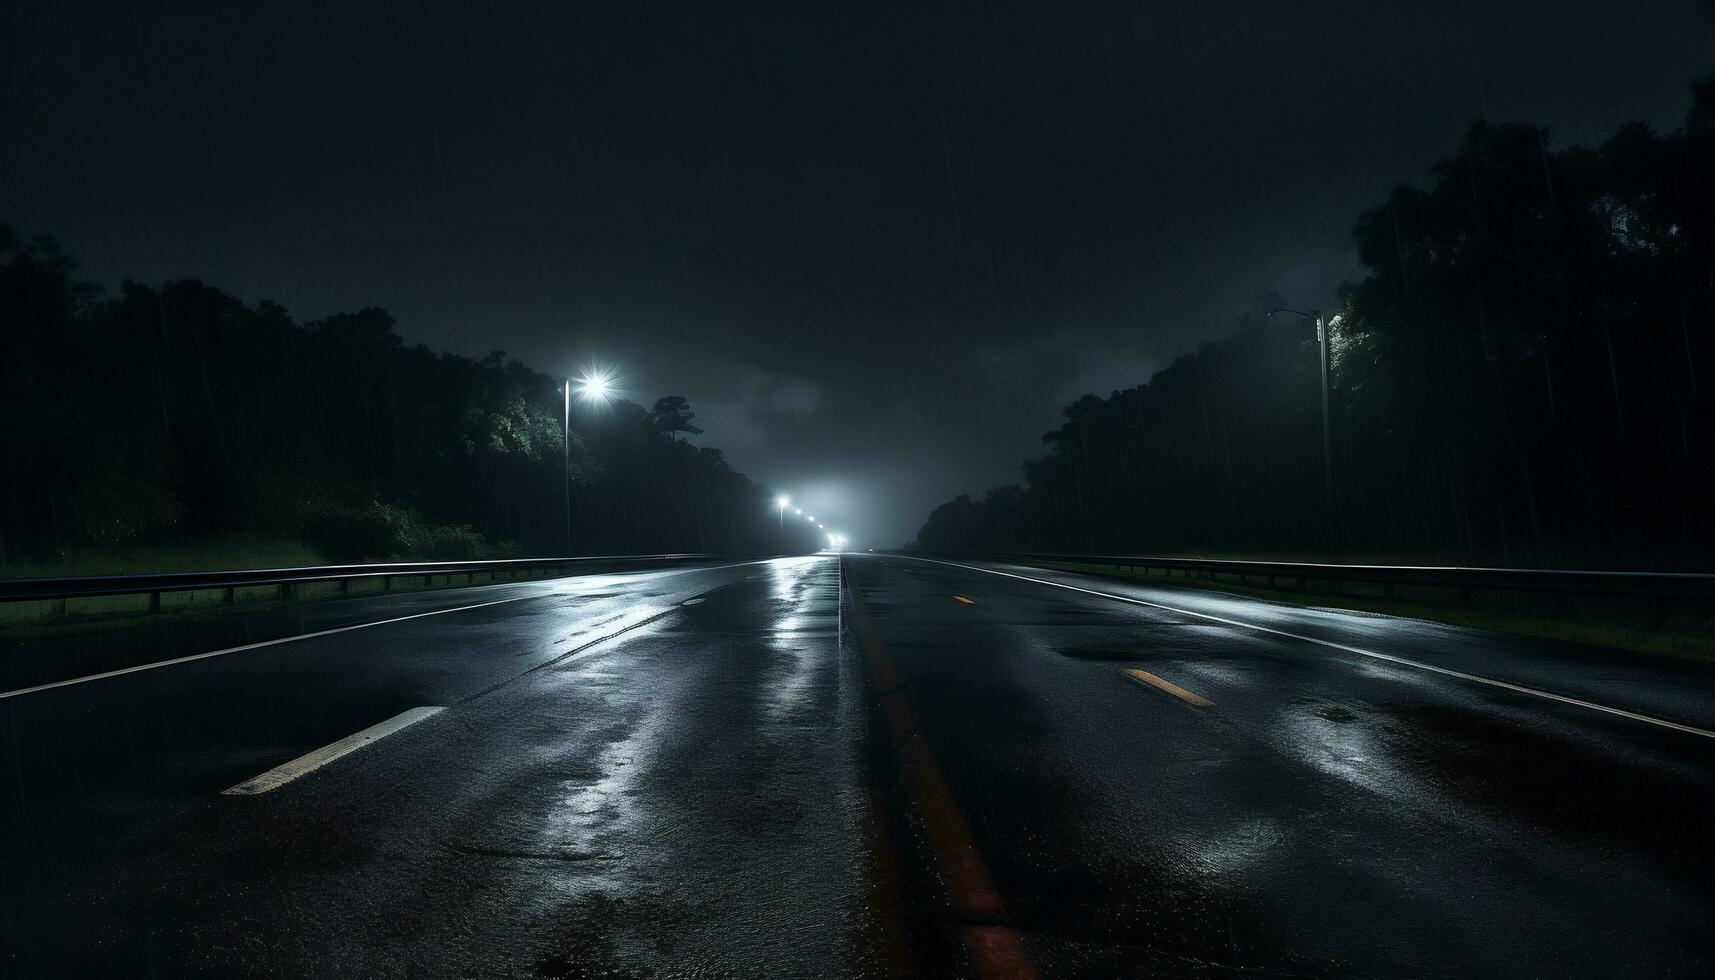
(288, 579)
(1653, 585)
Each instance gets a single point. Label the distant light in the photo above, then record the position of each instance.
(809, 517)
(797, 510)
(781, 501)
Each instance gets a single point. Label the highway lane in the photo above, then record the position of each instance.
(1663, 687)
(1321, 812)
(38, 655)
(864, 767)
(633, 772)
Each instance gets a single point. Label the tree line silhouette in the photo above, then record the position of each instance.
(182, 414)
(1523, 375)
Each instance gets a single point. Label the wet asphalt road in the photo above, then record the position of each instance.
(774, 769)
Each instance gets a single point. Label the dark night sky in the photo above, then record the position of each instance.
(878, 246)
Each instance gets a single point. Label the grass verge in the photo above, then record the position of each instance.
(213, 554)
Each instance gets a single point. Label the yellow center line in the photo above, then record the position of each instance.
(995, 951)
(968, 602)
(1145, 677)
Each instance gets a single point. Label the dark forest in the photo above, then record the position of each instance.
(1523, 376)
(169, 423)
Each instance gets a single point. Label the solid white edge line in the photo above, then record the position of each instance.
(286, 772)
(20, 692)
(1390, 658)
(68, 682)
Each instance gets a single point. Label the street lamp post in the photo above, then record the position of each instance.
(595, 385)
(566, 468)
(1322, 330)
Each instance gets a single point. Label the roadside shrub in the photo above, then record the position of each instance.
(114, 510)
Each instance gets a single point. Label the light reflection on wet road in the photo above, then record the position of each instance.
(679, 773)
(1327, 813)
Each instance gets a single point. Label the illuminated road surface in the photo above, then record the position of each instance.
(769, 769)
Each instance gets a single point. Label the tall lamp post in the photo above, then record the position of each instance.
(1322, 329)
(595, 386)
(566, 468)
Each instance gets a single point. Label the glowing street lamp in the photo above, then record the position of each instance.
(781, 502)
(596, 386)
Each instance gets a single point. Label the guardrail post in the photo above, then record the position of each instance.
(155, 601)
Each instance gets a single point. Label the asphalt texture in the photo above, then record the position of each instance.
(861, 766)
